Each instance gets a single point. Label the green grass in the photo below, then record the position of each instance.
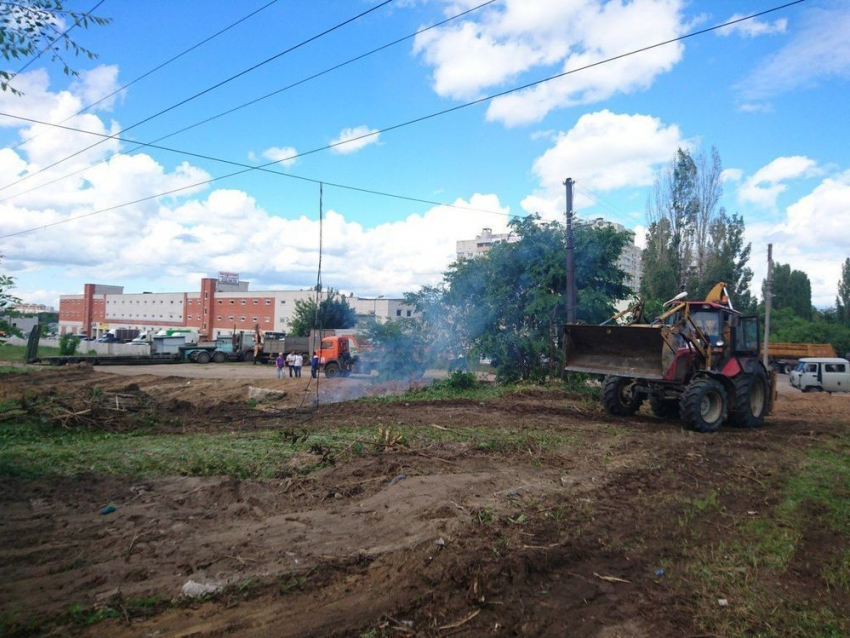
(10, 370)
(750, 565)
(19, 353)
(28, 450)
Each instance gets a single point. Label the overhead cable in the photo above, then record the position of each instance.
(155, 69)
(419, 119)
(245, 104)
(208, 89)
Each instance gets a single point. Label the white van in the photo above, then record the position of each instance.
(822, 375)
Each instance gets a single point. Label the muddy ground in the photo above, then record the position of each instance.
(526, 512)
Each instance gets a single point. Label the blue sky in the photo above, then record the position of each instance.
(771, 95)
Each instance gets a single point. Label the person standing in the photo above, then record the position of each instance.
(314, 365)
(299, 362)
(290, 363)
(280, 362)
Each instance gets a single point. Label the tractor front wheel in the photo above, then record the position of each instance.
(664, 408)
(750, 398)
(619, 397)
(703, 405)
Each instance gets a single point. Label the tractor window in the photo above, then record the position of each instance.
(748, 335)
(709, 324)
(327, 345)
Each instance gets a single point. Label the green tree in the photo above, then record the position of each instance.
(7, 283)
(791, 289)
(331, 312)
(726, 260)
(682, 234)
(510, 305)
(34, 27)
(842, 301)
(401, 347)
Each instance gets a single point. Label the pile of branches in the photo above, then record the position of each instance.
(91, 409)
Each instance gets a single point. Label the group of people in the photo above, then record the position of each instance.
(294, 362)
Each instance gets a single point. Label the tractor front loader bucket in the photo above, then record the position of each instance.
(626, 351)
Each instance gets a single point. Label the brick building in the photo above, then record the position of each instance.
(217, 309)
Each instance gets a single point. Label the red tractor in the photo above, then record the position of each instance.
(699, 361)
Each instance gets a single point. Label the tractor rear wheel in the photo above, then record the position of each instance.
(219, 357)
(618, 396)
(202, 357)
(664, 408)
(750, 400)
(703, 405)
(248, 357)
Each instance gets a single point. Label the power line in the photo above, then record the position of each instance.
(246, 104)
(208, 89)
(607, 205)
(50, 43)
(155, 69)
(263, 169)
(416, 120)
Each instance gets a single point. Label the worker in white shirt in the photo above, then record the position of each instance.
(290, 363)
(299, 361)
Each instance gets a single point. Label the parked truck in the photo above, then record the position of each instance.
(339, 354)
(784, 357)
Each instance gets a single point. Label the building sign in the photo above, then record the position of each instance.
(228, 277)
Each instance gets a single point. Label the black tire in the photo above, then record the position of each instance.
(332, 370)
(202, 357)
(703, 405)
(248, 357)
(219, 357)
(618, 398)
(749, 405)
(664, 408)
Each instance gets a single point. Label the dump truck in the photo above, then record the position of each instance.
(698, 361)
(339, 354)
(784, 357)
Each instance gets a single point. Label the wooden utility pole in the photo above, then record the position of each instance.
(768, 300)
(571, 259)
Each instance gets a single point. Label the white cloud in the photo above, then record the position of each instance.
(819, 50)
(766, 184)
(354, 133)
(752, 28)
(812, 237)
(96, 84)
(731, 175)
(604, 151)
(281, 154)
(502, 44)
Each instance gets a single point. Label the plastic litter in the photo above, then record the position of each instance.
(659, 572)
(398, 478)
(108, 509)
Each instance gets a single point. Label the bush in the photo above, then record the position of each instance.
(460, 380)
(67, 345)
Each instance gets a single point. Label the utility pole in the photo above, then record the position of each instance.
(768, 300)
(571, 259)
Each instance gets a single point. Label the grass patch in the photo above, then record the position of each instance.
(19, 353)
(751, 568)
(32, 450)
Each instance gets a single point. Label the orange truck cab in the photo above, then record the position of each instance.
(338, 355)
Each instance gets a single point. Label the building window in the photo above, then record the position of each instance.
(205, 311)
(218, 318)
(231, 302)
(206, 296)
(408, 313)
(244, 302)
(268, 302)
(267, 320)
(219, 302)
(398, 313)
(255, 320)
(241, 318)
(254, 301)
(230, 318)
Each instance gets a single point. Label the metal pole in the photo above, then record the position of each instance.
(571, 261)
(768, 299)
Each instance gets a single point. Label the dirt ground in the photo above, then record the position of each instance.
(573, 523)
